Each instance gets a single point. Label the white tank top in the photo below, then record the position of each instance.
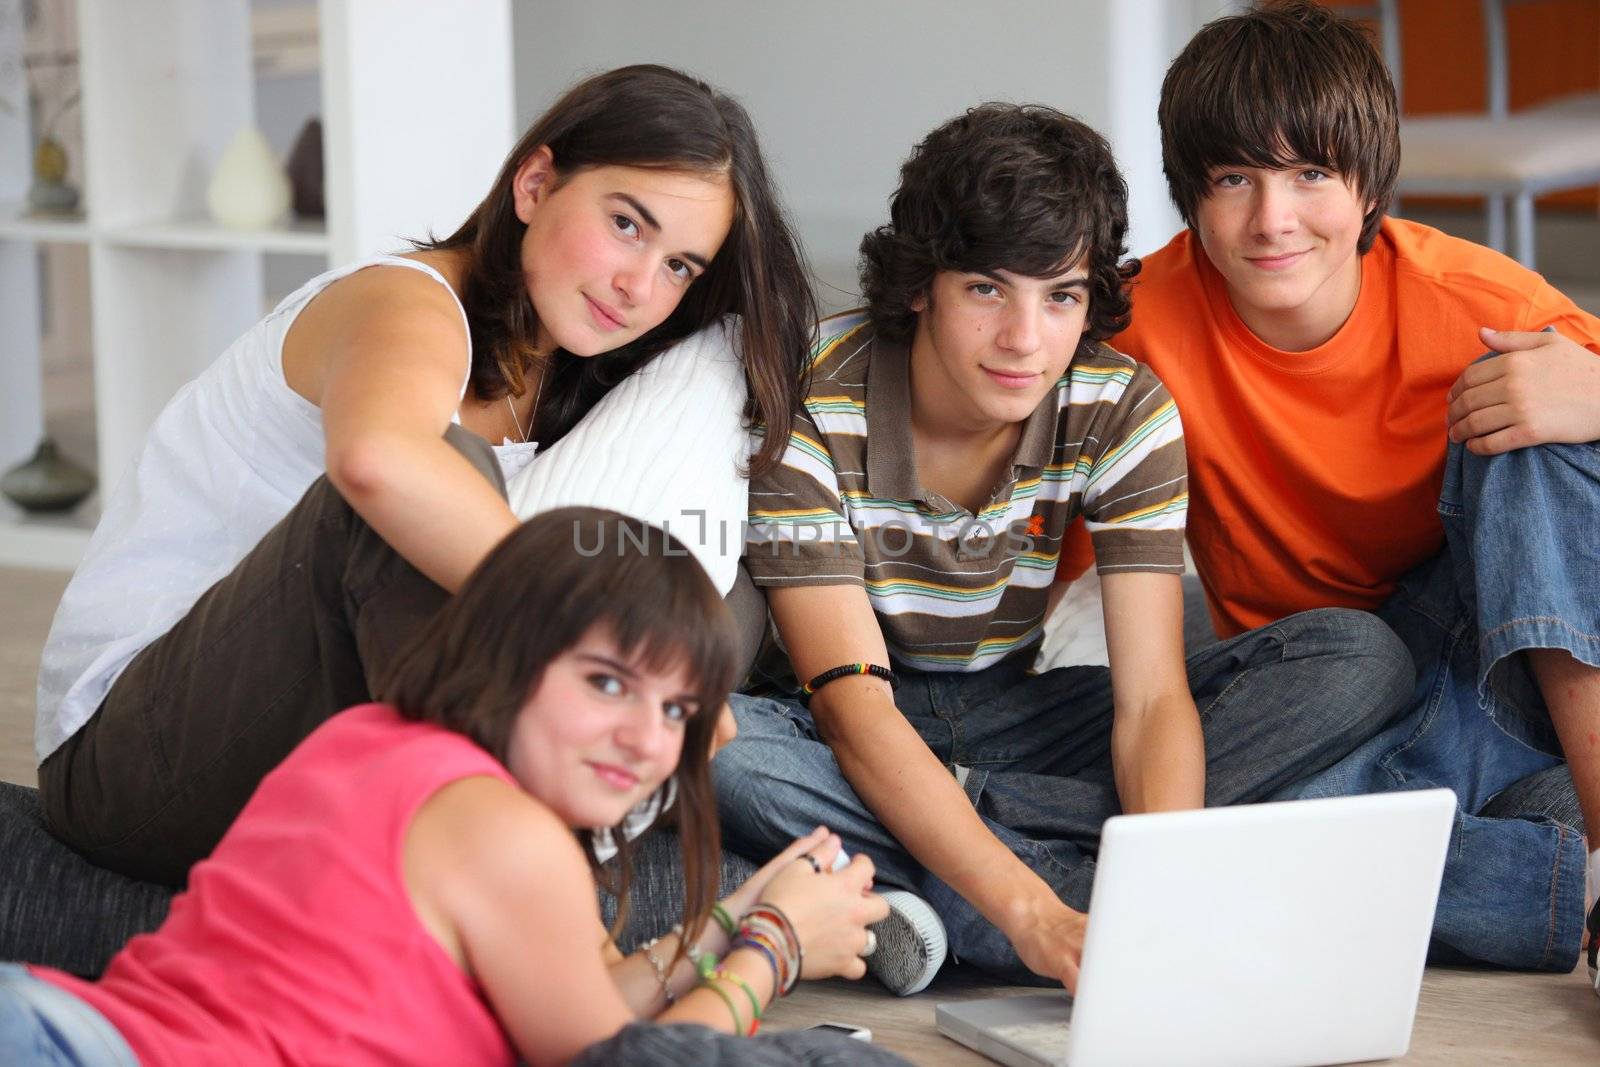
(230, 454)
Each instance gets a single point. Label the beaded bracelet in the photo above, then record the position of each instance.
(662, 973)
(846, 670)
(724, 975)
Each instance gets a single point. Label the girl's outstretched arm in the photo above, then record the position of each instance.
(502, 885)
(383, 353)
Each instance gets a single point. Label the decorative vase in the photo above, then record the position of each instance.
(305, 171)
(47, 482)
(50, 194)
(248, 190)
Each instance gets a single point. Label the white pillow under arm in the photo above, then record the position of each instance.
(666, 446)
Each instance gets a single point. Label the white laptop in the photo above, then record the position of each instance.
(1268, 935)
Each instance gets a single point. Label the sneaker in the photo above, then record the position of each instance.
(1594, 947)
(911, 944)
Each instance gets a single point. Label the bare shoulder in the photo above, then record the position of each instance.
(479, 851)
(498, 830)
(384, 308)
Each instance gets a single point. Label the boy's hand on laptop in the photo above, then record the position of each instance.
(1542, 389)
(1048, 937)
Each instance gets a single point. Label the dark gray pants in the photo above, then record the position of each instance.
(299, 630)
(303, 627)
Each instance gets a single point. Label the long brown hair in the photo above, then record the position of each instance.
(536, 595)
(644, 116)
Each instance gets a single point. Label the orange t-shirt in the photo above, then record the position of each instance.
(1314, 476)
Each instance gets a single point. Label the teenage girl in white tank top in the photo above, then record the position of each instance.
(634, 214)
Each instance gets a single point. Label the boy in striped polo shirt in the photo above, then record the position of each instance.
(949, 433)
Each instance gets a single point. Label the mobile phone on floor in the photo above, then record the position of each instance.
(859, 1033)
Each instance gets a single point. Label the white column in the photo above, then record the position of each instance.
(418, 116)
(1140, 47)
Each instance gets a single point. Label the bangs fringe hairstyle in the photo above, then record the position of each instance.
(1285, 85)
(1020, 188)
(655, 117)
(558, 576)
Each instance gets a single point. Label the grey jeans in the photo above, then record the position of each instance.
(1276, 705)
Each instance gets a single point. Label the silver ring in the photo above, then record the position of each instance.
(809, 858)
(870, 947)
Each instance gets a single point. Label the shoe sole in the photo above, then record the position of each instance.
(911, 944)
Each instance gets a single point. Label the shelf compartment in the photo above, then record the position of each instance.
(17, 223)
(299, 237)
(53, 542)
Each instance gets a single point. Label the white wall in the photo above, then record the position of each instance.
(840, 91)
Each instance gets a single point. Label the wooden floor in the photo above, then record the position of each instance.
(27, 603)
(1466, 1017)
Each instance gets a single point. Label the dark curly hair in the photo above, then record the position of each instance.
(1016, 187)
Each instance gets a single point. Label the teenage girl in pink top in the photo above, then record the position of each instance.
(416, 883)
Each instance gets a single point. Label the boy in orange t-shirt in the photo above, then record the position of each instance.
(1347, 446)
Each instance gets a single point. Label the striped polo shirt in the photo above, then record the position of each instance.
(953, 590)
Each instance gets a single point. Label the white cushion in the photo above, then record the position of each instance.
(665, 446)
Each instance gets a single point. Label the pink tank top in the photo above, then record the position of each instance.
(296, 941)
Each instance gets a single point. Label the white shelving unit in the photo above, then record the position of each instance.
(417, 116)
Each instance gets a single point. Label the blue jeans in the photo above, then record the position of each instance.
(42, 1024)
(1033, 753)
(1520, 569)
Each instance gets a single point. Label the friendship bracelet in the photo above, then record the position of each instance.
(725, 975)
(770, 956)
(846, 670)
(782, 959)
(752, 938)
(782, 940)
(733, 1010)
(776, 912)
(724, 920)
(765, 926)
(794, 938)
